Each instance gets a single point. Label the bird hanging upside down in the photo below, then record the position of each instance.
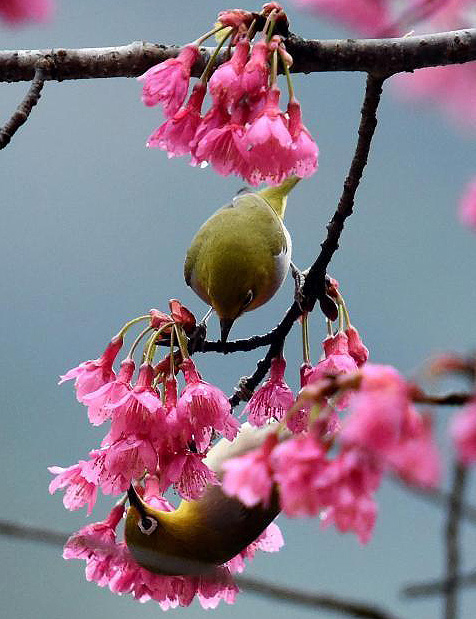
(240, 256)
(200, 535)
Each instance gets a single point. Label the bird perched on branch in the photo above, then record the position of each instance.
(241, 255)
(200, 535)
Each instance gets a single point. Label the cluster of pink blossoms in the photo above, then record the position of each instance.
(244, 132)
(16, 12)
(364, 410)
(109, 562)
(160, 437)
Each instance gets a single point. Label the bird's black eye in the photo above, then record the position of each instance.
(147, 525)
(249, 297)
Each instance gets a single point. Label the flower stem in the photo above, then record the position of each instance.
(182, 341)
(137, 340)
(287, 73)
(129, 324)
(149, 356)
(208, 34)
(306, 357)
(206, 72)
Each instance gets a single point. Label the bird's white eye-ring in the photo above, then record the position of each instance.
(147, 525)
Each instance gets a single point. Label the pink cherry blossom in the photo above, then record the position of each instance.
(187, 472)
(79, 490)
(139, 412)
(298, 421)
(255, 74)
(298, 465)
(272, 399)
(176, 135)
(100, 402)
(167, 83)
(225, 83)
(91, 375)
(467, 206)
(415, 459)
(249, 477)
(202, 405)
(303, 149)
(19, 11)
(354, 478)
(378, 410)
(463, 432)
(221, 146)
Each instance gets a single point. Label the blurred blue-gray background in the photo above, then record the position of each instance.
(94, 229)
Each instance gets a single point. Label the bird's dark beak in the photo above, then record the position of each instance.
(225, 326)
(135, 501)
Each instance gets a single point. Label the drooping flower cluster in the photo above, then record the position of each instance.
(15, 12)
(158, 438)
(381, 431)
(244, 132)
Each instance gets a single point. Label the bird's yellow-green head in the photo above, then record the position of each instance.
(240, 256)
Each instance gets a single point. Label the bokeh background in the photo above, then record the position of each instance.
(94, 229)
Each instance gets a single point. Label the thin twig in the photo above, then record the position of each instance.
(250, 585)
(314, 287)
(386, 56)
(437, 587)
(21, 114)
(452, 542)
(449, 399)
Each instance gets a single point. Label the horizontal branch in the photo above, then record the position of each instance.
(252, 585)
(385, 56)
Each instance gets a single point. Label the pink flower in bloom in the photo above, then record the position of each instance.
(187, 472)
(79, 491)
(167, 83)
(354, 478)
(366, 16)
(463, 432)
(303, 149)
(19, 11)
(216, 118)
(128, 458)
(415, 459)
(249, 477)
(91, 375)
(225, 83)
(467, 207)
(272, 399)
(99, 402)
(81, 544)
(267, 142)
(153, 494)
(176, 135)
(255, 74)
(298, 466)
(202, 405)
(139, 412)
(378, 410)
(222, 145)
(298, 421)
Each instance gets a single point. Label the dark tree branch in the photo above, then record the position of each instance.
(314, 287)
(21, 114)
(251, 585)
(384, 56)
(449, 399)
(438, 587)
(452, 542)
